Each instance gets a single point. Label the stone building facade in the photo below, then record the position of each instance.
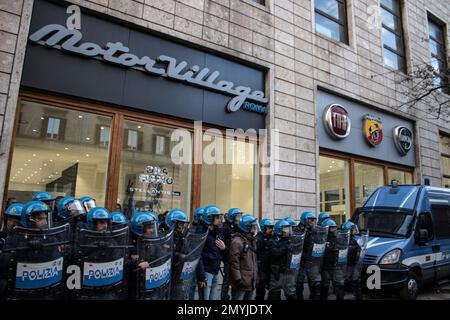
(279, 36)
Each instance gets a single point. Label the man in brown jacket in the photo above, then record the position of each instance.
(243, 262)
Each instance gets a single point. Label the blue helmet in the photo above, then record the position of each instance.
(14, 211)
(68, 204)
(88, 203)
(197, 213)
(139, 220)
(329, 223)
(246, 222)
(174, 216)
(209, 213)
(305, 216)
(266, 223)
(97, 213)
(118, 218)
(232, 213)
(291, 221)
(348, 226)
(322, 217)
(32, 208)
(42, 196)
(279, 225)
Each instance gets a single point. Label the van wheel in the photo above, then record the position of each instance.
(411, 289)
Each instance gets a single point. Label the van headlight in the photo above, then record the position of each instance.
(391, 257)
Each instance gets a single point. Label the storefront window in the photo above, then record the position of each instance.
(335, 188)
(229, 174)
(60, 151)
(403, 177)
(367, 179)
(151, 177)
(445, 161)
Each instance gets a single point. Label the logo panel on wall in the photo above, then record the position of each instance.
(403, 139)
(373, 129)
(336, 121)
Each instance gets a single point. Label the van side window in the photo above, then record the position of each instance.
(426, 223)
(441, 217)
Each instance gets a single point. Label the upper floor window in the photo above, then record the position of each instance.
(331, 19)
(392, 30)
(438, 52)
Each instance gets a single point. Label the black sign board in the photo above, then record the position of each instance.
(56, 69)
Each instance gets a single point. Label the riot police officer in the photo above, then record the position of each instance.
(118, 220)
(279, 255)
(70, 210)
(263, 257)
(243, 262)
(99, 219)
(88, 203)
(309, 266)
(330, 273)
(177, 221)
(197, 218)
(197, 226)
(228, 229)
(11, 219)
(353, 273)
(49, 200)
(150, 276)
(34, 248)
(102, 254)
(322, 217)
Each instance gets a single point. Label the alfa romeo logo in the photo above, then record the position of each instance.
(403, 139)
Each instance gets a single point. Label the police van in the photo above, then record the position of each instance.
(409, 236)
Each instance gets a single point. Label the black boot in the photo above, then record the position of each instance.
(357, 290)
(299, 291)
(340, 292)
(324, 290)
(315, 292)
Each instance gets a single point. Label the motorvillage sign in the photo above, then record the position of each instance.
(60, 37)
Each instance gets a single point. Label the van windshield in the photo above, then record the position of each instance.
(403, 197)
(384, 221)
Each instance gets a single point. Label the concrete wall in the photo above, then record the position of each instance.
(280, 36)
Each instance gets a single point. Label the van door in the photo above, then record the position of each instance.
(440, 211)
(423, 253)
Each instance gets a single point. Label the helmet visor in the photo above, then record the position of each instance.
(255, 228)
(89, 205)
(287, 231)
(76, 208)
(237, 217)
(150, 229)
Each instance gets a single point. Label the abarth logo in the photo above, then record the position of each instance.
(373, 130)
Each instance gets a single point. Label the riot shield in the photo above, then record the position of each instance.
(102, 258)
(36, 261)
(153, 283)
(319, 238)
(184, 269)
(294, 258)
(342, 241)
(296, 250)
(362, 242)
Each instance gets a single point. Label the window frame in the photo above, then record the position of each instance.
(443, 155)
(444, 79)
(397, 33)
(119, 115)
(352, 159)
(343, 24)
